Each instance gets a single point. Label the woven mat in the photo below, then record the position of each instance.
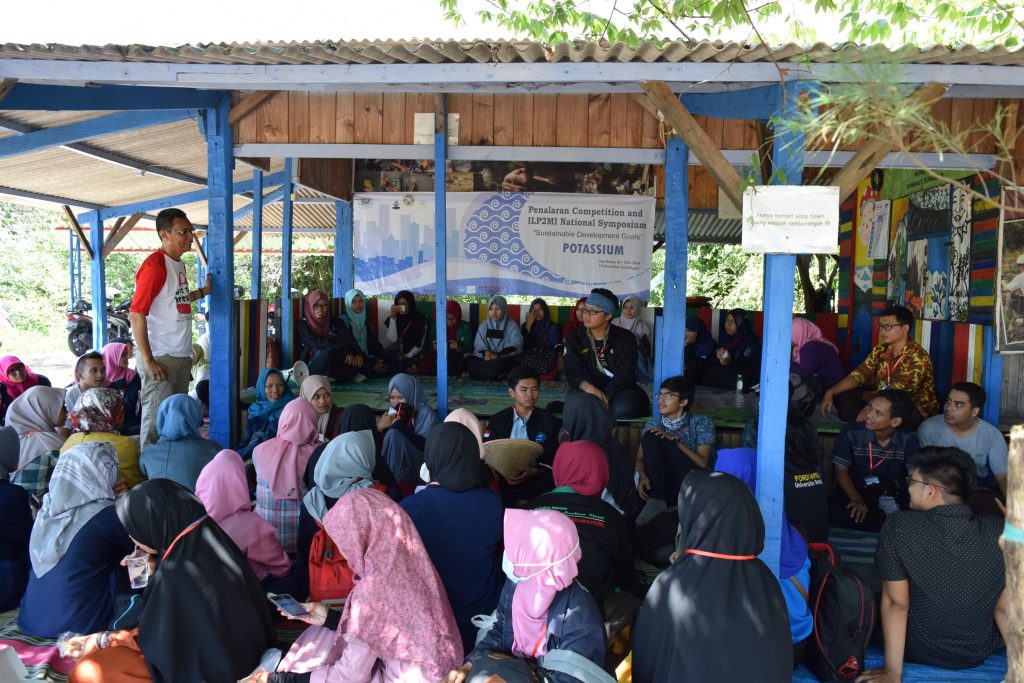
(856, 548)
(726, 408)
(39, 655)
(992, 670)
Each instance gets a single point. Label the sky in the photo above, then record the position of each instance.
(203, 21)
(191, 21)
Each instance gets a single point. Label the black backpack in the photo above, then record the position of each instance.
(843, 607)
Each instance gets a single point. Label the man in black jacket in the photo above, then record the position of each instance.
(600, 359)
(524, 420)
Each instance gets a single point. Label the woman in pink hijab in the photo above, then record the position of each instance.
(280, 463)
(15, 379)
(815, 358)
(542, 607)
(396, 624)
(223, 488)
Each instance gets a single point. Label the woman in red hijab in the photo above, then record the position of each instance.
(581, 475)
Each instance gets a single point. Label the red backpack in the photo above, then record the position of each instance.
(330, 577)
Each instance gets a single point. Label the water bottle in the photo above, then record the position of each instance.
(739, 384)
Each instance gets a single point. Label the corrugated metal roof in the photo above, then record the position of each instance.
(504, 51)
(704, 226)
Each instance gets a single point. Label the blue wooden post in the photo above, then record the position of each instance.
(223, 322)
(99, 282)
(672, 339)
(992, 378)
(779, 270)
(72, 248)
(256, 283)
(203, 305)
(441, 248)
(287, 342)
(343, 264)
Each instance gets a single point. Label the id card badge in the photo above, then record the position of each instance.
(871, 481)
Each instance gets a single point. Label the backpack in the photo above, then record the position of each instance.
(330, 577)
(843, 607)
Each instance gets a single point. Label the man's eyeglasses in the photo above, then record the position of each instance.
(666, 395)
(911, 481)
(885, 327)
(187, 233)
(589, 311)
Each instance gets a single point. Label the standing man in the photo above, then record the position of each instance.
(161, 318)
(898, 362)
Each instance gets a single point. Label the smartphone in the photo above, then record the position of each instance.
(288, 604)
(403, 411)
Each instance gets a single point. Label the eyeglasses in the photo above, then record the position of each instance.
(666, 395)
(187, 233)
(911, 481)
(321, 307)
(589, 311)
(885, 327)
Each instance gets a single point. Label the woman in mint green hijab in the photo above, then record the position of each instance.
(357, 321)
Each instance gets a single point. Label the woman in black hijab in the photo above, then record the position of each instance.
(718, 613)
(205, 616)
(586, 418)
(404, 333)
(460, 523)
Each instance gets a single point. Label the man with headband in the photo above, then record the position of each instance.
(600, 359)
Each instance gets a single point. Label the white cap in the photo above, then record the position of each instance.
(1020, 260)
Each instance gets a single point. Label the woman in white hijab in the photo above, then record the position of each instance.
(77, 544)
(630, 320)
(38, 417)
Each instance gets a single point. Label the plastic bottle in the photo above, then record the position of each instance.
(739, 384)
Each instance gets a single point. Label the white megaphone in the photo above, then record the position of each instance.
(298, 373)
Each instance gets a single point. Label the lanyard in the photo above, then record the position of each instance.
(872, 465)
(718, 556)
(540, 641)
(184, 531)
(889, 369)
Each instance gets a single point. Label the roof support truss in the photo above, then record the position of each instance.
(30, 96)
(83, 130)
(967, 80)
(120, 231)
(109, 157)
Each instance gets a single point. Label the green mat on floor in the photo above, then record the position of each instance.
(726, 408)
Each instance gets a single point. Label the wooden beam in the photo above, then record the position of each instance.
(871, 154)
(666, 102)
(6, 85)
(120, 231)
(239, 237)
(248, 104)
(646, 103)
(78, 230)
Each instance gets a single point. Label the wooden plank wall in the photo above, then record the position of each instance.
(601, 120)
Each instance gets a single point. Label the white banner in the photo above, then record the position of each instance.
(505, 243)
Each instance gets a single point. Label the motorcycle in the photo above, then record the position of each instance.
(79, 325)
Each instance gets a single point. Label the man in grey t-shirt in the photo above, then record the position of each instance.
(960, 426)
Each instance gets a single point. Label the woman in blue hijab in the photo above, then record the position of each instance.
(272, 395)
(498, 346)
(794, 565)
(181, 453)
(405, 427)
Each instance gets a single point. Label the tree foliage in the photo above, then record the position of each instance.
(985, 23)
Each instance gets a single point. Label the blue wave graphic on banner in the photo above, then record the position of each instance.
(492, 236)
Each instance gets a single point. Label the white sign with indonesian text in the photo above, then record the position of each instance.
(791, 219)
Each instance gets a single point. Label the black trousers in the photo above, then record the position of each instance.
(666, 466)
(490, 370)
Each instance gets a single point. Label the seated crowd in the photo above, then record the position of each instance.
(413, 559)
